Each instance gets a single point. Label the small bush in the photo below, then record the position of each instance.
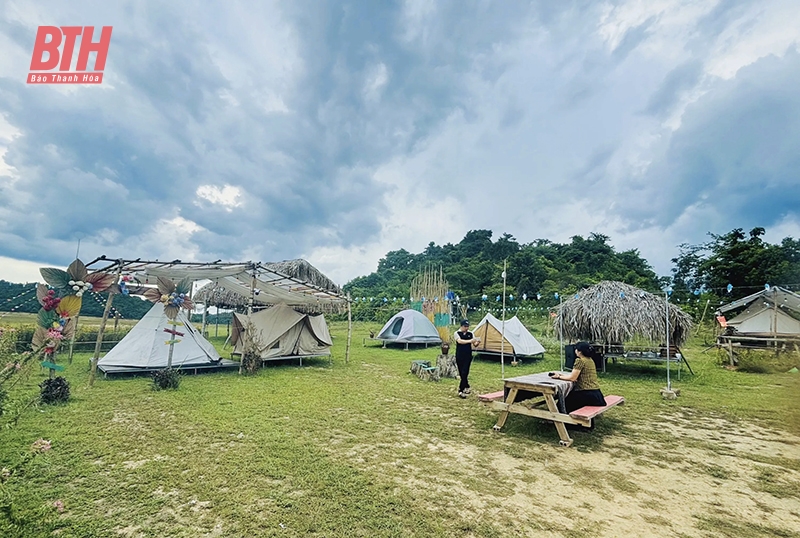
(767, 361)
(168, 378)
(54, 390)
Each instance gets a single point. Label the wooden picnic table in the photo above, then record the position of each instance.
(541, 391)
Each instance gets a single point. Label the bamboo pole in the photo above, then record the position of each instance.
(72, 339)
(102, 328)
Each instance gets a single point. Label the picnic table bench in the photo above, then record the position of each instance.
(543, 404)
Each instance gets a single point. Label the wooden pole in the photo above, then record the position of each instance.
(249, 313)
(730, 351)
(72, 339)
(205, 316)
(102, 329)
(775, 318)
(349, 330)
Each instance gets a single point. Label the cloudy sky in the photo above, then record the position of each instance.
(337, 131)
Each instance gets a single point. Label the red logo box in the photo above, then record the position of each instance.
(49, 39)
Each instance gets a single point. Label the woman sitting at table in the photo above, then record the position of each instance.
(585, 388)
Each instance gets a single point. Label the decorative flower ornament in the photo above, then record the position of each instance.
(172, 296)
(61, 302)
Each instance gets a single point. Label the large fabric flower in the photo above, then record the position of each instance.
(172, 296)
(76, 280)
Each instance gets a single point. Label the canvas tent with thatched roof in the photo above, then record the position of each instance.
(612, 314)
(769, 318)
(282, 333)
(519, 342)
(257, 282)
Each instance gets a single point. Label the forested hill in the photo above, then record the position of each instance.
(474, 265)
(22, 298)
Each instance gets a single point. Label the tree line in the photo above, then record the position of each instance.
(22, 298)
(702, 273)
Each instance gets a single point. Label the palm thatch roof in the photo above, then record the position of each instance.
(220, 297)
(615, 312)
(302, 270)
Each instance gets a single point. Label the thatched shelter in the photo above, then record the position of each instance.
(614, 312)
(215, 295)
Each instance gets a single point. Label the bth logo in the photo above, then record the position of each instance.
(48, 41)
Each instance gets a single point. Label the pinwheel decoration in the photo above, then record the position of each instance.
(173, 296)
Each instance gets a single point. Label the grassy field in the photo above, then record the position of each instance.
(367, 449)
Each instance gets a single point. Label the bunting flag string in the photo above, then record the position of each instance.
(21, 304)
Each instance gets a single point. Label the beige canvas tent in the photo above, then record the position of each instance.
(143, 349)
(771, 315)
(519, 342)
(284, 333)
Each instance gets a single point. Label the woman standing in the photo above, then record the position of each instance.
(585, 389)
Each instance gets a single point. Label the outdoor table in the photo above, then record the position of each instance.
(544, 386)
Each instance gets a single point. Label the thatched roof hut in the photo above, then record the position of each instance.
(220, 297)
(302, 270)
(614, 312)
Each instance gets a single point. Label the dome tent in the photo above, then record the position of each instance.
(409, 327)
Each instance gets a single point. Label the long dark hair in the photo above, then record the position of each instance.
(584, 348)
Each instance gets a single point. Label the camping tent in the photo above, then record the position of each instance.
(409, 327)
(284, 333)
(143, 348)
(767, 312)
(518, 340)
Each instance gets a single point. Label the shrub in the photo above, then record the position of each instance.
(168, 378)
(251, 349)
(766, 361)
(54, 390)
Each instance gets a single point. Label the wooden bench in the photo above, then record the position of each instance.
(499, 395)
(580, 417)
(588, 412)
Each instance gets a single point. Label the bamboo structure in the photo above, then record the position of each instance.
(430, 288)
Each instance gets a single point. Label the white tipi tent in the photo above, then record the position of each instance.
(143, 349)
(409, 327)
(284, 332)
(519, 342)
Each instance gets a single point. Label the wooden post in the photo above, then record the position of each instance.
(102, 329)
(775, 319)
(72, 339)
(247, 334)
(205, 315)
(730, 350)
(349, 330)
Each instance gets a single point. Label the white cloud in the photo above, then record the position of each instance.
(377, 78)
(228, 196)
(12, 270)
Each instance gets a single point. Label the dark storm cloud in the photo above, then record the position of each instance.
(735, 150)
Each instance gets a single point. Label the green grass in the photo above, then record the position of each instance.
(366, 449)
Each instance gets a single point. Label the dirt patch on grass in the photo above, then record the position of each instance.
(678, 476)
